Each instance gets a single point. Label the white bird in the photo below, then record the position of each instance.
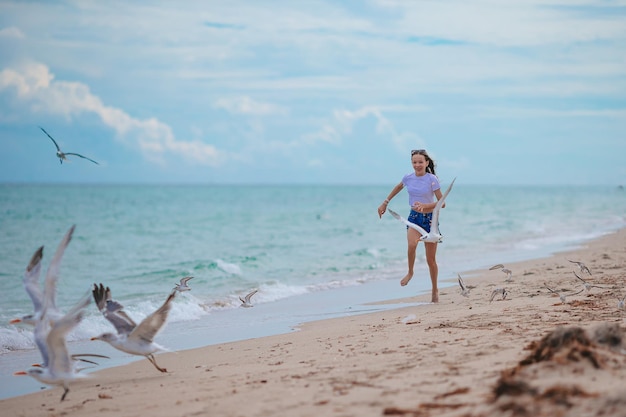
(497, 291)
(63, 155)
(464, 290)
(434, 235)
(582, 266)
(507, 271)
(130, 337)
(620, 302)
(587, 285)
(44, 302)
(245, 302)
(60, 369)
(562, 295)
(182, 286)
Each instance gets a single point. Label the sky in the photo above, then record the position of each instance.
(523, 92)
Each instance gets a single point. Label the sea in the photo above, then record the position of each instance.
(311, 251)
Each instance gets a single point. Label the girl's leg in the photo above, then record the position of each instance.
(431, 260)
(412, 238)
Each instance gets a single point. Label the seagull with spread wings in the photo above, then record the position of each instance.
(434, 235)
(60, 369)
(182, 285)
(136, 339)
(63, 155)
(245, 302)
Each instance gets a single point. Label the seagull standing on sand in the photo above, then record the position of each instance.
(63, 155)
(582, 266)
(497, 291)
(434, 235)
(245, 302)
(464, 290)
(507, 271)
(130, 337)
(562, 296)
(60, 368)
(182, 286)
(620, 303)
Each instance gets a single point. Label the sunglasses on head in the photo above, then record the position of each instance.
(418, 151)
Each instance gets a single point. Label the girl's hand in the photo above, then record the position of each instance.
(381, 209)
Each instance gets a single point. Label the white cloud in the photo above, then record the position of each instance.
(246, 105)
(11, 32)
(35, 86)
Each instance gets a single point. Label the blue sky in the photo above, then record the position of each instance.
(333, 92)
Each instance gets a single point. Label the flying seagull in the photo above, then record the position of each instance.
(582, 266)
(434, 235)
(464, 290)
(245, 302)
(63, 155)
(587, 285)
(60, 369)
(562, 296)
(136, 339)
(507, 271)
(182, 286)
(497, 291)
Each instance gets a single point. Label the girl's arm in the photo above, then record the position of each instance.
(383, 207)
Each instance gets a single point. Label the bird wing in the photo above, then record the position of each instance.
(249, 296)
(408, 223)
(151, 325)
(461, 283)
(183, 281)
(59, 360)
(499, 266)
(53, 141)
(81, 156)
(579, 277)
(112, 310)
(434, 224)
(550, 289)
(52, 276)
(31, 280)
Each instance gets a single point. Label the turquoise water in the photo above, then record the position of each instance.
(312, 251)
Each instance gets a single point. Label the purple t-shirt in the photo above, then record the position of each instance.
(421, 189)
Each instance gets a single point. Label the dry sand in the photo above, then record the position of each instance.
(526, 355)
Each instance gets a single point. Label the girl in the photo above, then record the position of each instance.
(422, 186)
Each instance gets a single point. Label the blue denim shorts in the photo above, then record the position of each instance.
(421, 219)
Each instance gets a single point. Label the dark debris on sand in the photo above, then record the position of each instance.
(557, 358)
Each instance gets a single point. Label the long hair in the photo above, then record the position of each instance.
(431, 163)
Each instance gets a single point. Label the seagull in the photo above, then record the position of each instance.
(44, 302)
(130, 337)
(497, 291)
(60, 369)
(562, 295)
(508, 272)
(582, 266)
(620, 302)
(587, 285)
(182, 286)
(63, 155)
(464, 290)
(245, 302)
(434, 235)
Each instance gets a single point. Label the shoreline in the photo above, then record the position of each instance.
(427, 359)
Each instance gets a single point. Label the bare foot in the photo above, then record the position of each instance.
(406, 279)
(435, 296)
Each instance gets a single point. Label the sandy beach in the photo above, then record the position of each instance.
(529, 354)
